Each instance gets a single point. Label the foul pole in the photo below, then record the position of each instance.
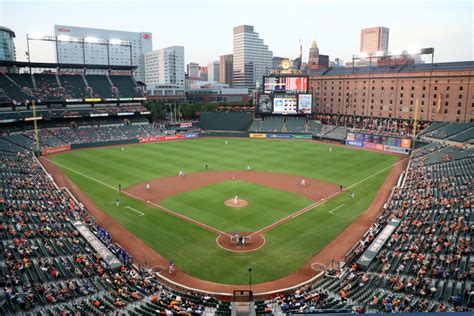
(36, 127)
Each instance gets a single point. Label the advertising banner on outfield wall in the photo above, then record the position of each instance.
(191, 135)
(255, 135)
(354, 143)
(374, 248)
(373, 146)
(398, 150)
(58, 149)
(161, 138)
(299, 136)
(405, 143)
(278, 136)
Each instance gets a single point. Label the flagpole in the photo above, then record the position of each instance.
(36, 127)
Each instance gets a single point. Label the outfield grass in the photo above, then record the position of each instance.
(193, 248)
(266, 205)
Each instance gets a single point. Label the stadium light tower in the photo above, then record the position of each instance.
(82, 40)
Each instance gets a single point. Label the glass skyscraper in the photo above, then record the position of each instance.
(7, 47)
(252, 59)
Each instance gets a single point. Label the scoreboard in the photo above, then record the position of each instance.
(286, 95)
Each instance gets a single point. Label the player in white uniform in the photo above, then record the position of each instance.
(147, 186)
(303, 183)
(181, 173)
(236, 200)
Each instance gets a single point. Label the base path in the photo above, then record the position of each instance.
(141, 252)
(162, 188)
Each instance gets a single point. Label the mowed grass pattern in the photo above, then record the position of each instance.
(193, 248)
(266, 205)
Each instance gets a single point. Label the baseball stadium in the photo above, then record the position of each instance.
(115, 204)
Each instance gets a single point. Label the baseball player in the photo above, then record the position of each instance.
(147, 186)
(181, 173)
(303, 183)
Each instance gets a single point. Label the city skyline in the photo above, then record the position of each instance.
(416, 27)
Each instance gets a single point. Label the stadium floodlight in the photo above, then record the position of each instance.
(364, 55)
(115, 41)
(63, 38)
(36, 36)
(91, 39)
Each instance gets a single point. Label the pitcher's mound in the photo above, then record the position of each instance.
(240, 203)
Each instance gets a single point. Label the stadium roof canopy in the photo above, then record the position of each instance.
(23, 64)
(407, 68)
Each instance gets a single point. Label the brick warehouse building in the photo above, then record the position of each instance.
(445, 91)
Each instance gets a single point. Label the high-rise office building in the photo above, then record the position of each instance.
(315, 59)
(7, 47)
(213, 71)
(252, 59)
(193, 70)
(203, 73)
(313, 56)
(165, 66)
(226, 65)
(374, 39)
(83, 45)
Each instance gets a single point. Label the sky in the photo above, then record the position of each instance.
(204, 27)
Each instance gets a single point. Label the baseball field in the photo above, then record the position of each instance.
(182, 217)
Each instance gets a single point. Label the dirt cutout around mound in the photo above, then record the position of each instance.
(142, 253)
(162, 188)
(236, 204)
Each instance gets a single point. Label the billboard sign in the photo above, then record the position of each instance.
(304, 103)
(285, 104)
(264, 104)
(257, 135)
(286, 84)
(354, 143)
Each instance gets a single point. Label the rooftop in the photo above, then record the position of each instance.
(407, 68)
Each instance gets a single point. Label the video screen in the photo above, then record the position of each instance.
(269, 84)
(286, 84)
(304, 103)
(264, 104)
(296, 84)
(286, 104)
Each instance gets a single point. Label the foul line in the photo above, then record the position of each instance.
(260, 231)
(336, 208)
(131, 208)
(210, 228)
(322, 201)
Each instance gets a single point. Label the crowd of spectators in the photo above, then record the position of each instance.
(371, 125)
(427, 263)
(47, 263)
